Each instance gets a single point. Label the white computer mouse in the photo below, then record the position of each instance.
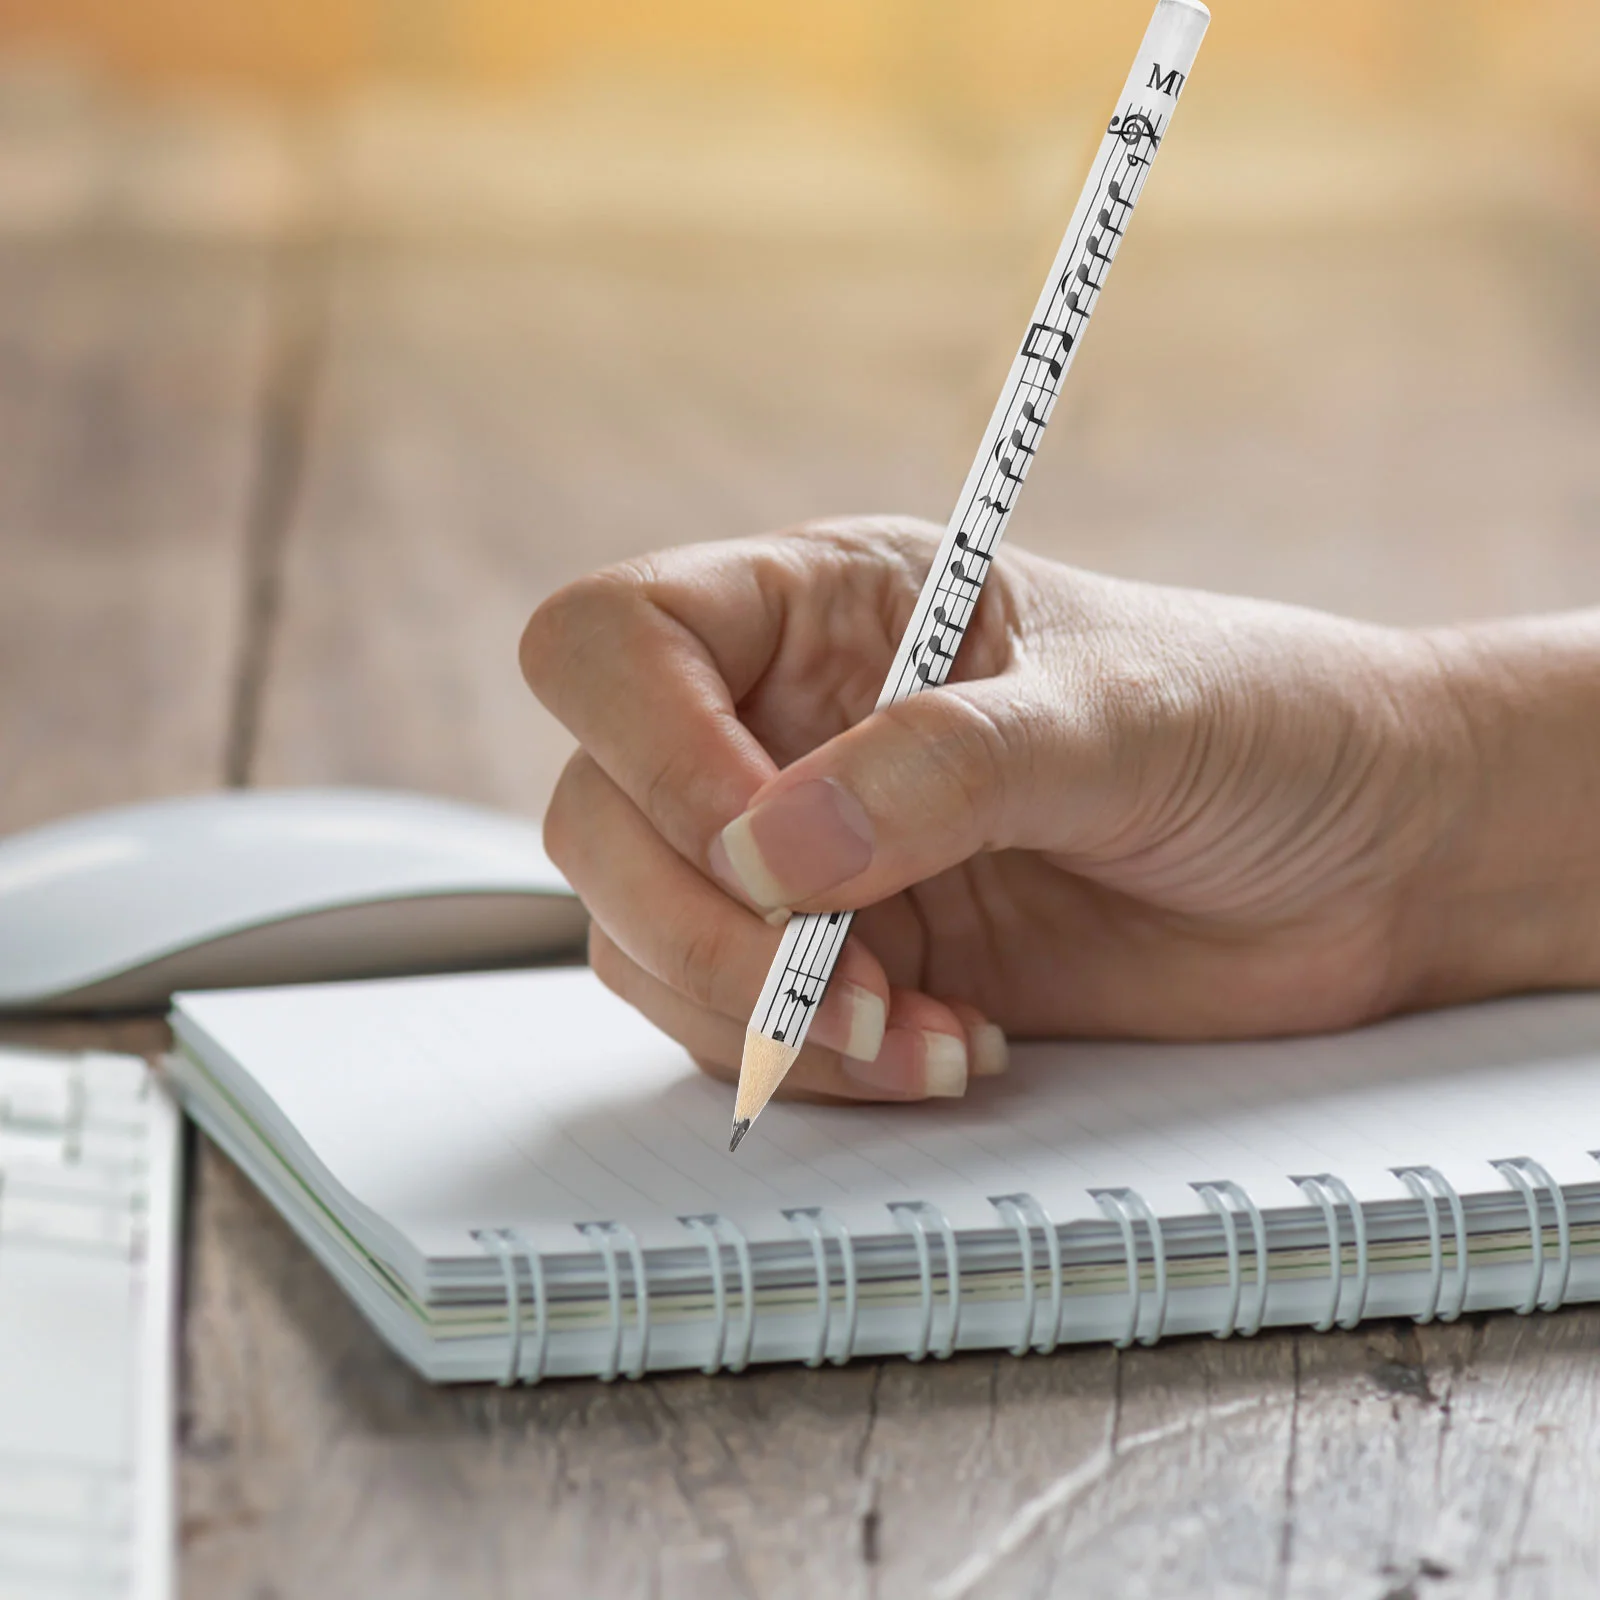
(119, 909)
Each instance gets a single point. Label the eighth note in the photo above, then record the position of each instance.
(933, 674)
(1032, 354)
(1015, 442)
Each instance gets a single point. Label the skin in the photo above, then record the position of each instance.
(1133, 811)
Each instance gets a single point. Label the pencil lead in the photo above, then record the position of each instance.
(740, 1129)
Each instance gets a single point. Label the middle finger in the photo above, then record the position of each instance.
(680, 927)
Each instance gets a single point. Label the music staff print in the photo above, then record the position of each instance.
(944, 609)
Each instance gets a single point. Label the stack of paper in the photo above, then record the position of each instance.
(515, 1175)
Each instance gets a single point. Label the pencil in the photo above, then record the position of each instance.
(812, 940)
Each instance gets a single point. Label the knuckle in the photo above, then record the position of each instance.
(567, 624)
(564, 816)
(675, 777)
(972, 757)
(699, 959)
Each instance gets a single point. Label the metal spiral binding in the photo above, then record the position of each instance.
(1517, 1170)
(606, 1236)
(1122, 1206)
(810, 1222)
(1023, 1212)
(1221, 1196)
(913, 1216)
(711, 1227)
(1325, 1190)
(509, 1246)
(1430, 1187)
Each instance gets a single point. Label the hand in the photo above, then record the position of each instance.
(1134, 810)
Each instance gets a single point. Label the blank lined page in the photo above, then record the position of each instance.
(539, 1100)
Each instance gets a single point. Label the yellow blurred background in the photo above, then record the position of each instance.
(995, 57)
(783, 115)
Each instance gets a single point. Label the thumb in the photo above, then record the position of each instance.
(914, 789)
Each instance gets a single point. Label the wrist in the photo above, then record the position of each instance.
(1508, 897)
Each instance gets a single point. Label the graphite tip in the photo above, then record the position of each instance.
(740, 1129)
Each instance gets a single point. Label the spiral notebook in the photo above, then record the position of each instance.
(516, 1177)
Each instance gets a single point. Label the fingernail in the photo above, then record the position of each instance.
(851, 1020)
(722, 868)
(946, 1065)
(991, 1055)
(913, 1064)
(794, 846)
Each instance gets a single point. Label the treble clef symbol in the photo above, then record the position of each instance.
(1132, 128)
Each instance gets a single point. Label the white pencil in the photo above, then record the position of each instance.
(812, 941)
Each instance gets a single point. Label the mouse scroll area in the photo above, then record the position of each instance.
(394, 938)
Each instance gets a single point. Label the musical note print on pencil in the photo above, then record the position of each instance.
(1054, 360)
(958, 571)
(1047, 348)
(938, 650)
(1132, 126)
(947, 602)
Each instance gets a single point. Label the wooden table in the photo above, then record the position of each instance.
(275, 514)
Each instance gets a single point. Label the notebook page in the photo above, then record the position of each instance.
(538, 1100)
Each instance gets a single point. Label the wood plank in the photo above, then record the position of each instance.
(490, 426)
(1396, 425)
(130, 384)
(1364, 423)
(128, 387)
(1460, 1460)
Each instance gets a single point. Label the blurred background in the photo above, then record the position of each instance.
(332, 338)
(335, 336)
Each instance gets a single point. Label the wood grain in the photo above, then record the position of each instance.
(128, 392)
(446, 435)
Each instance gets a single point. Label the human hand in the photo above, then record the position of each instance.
(1133, 810)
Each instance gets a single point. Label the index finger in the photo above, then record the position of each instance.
(652, 697)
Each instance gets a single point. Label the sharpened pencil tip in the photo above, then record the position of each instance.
(740, 1129)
